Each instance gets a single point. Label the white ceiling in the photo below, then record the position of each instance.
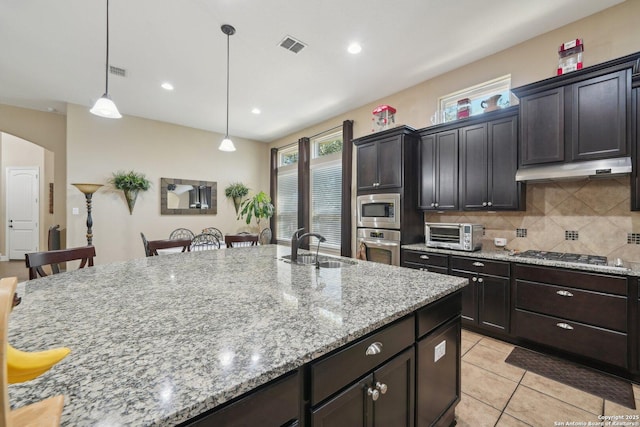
(53, 53)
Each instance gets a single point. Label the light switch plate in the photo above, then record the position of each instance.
(75, 211)
(439, 351)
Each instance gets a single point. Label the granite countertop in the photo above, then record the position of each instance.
(630, 268)
(156, 341)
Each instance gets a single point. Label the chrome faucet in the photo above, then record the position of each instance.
(296, 241)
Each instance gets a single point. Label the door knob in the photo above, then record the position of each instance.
(374, 393)
(382, 387)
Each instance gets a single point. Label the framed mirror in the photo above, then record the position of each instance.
(188, 197)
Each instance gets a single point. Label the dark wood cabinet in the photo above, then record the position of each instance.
(382, 158)
(425, 261)
(438, 154)
(580, 116)
(635, 143)
(581, 313)
(488, 163)
(485, 302)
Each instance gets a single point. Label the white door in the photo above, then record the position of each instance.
(22, 211)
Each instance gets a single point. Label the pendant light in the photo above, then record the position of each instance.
(227, 144)
(104, 107)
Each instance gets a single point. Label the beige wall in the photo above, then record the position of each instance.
(97, 147)
(607, 35)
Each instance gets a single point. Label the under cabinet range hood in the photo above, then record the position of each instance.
(605, 168)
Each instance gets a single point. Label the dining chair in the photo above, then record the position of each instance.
(152, 246)
(240, 240)
(35, 261)
(216, 232)
(204, 242)
(43, 413)
(181, 233)
(265, 236)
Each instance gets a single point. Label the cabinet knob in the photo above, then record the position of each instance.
(480, 280)
(424, 256)
(382, 387)
(374, 393)
(564, 326)
(435, 204)
(564, 293)
(478, 264)
(474, 279)
(373, 349)
(484, 203)
(489, 204)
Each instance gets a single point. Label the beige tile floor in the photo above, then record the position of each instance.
(495, 393)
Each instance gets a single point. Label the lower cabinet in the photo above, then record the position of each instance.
(426, 261)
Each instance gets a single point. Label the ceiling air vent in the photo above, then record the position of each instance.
(292, 44)
(117, 71)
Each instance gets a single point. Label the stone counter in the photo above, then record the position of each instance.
(156, 341)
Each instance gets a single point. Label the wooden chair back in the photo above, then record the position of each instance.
(204, 242)
(46, 413)
(238, 240)
(36, 260)
(154, 245)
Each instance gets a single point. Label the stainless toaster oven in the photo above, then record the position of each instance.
(461, 237)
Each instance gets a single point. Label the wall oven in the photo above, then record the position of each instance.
(380, 245)
(379, 211)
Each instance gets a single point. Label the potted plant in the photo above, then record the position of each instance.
(131, 183)
(236, 191)
(258, 207)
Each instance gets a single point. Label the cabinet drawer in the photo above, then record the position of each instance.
(588, 341)
(575, 279)
(337, 370)
(429, 268)
(435, 314)
(426, 258)
(595, 308)
(478, 265)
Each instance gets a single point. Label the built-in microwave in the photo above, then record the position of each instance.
(461, 237)
(379, 211)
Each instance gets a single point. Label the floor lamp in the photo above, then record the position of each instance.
(88, 190)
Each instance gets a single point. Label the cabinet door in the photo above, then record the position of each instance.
(390, 163)
(599, 109)
(474, 167)
(367, 169)
(347, 409)
(427, 195)
(447, 170)
(635, 175)
(437, 388)
(396, 406)
(542, 127)
(503, 190)
(493, 302)
(469, 296)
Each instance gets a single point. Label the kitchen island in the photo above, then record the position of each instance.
(160, 340)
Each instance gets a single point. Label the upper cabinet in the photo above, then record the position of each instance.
(384, 158)
(439, 171)
(635, 176)
(583, 115)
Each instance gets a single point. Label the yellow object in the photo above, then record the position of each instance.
(24, 366)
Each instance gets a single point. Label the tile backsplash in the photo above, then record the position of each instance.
(587, 216)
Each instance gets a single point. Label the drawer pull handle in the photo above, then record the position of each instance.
(382, 387)
(564, 326)
(564, 293)
(373, 349)
(478, 264)
(424, 256)
(374, 393)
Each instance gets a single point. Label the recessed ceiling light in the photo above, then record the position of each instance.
(354, 48)
(256, 111)
(167, 86)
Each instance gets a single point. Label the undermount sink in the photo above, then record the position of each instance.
(324, 261)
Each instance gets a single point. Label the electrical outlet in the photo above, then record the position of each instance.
(440, 351)
(75, 211)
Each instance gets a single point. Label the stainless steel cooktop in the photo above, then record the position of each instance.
(566, 257)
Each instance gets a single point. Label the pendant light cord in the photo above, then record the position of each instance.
(227, 131)
(106, 84)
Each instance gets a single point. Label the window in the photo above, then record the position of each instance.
(448, 104)
(287, 197)
(326, 189)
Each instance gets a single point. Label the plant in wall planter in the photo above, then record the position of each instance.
(258, 207)
(236, 191)
(131, 183)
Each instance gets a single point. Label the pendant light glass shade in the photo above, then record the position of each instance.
(105, 107)
(227, 144)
